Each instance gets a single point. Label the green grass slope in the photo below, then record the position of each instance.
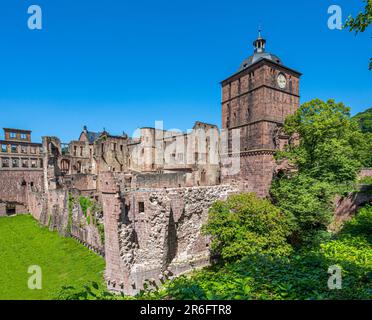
(63, 261)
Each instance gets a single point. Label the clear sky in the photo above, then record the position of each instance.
(123, 64)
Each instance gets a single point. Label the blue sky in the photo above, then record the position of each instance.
(124, 64)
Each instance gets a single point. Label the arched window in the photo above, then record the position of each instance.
(78, 167)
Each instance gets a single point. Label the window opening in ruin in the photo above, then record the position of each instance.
(203, 176)
(15, 163)
(65, 166)
(10, 209)
(33, 163)
(78, 167)
(14, 149)
(81, 151)
(24, 163)
(5, 163)
(141, 207)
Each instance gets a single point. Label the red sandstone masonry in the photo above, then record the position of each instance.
(116, 274)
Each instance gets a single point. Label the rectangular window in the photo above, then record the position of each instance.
(14, 148)
(15, 163)
(33, 150)
(24, 163)
(5, 162)
(4, 148)
(141, 207)
(41, 163)
(23, 149)
(81, 151)
(33, 163)
(12, 135)
(23, 136)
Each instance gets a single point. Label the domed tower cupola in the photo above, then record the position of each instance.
(259, 44)
(259, 54)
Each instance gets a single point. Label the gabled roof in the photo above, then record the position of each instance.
(92, 136)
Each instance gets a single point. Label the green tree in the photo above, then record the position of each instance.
(245, 224)
(364, 148)
(361, 21)
(328, 156)
(328, 149)
(364, 120)
(310, 201)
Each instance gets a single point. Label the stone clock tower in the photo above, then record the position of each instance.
(255, 102)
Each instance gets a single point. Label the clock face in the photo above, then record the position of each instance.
(282, 81)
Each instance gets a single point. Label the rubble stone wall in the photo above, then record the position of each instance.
(155, 234)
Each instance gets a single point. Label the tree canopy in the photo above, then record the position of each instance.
(364, 120)
(361, 21)
(328, 156)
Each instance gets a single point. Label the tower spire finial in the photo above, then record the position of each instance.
(259, 31)
(259, 43)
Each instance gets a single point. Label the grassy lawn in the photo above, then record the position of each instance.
(63, 261)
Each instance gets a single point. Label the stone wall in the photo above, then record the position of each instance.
(82, 182)
(55, 211)
(259, 166)
(170, 180)
(153, 234)
(13, 185)
(366, 172)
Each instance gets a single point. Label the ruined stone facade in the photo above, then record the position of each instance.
(21, 167)
(152, 192)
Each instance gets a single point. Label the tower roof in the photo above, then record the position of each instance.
(259, 53)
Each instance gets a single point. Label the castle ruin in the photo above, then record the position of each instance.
(152, 192)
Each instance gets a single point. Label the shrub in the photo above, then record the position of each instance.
(245, 224)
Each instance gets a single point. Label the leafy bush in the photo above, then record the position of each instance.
(85, 203)
(329, 154)
(365, 180)
(245, 224)
(309, 200)
(301, 276)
